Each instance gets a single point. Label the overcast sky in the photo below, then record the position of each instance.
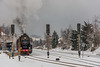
(58, 13)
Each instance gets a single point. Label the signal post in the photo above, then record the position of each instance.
(19, 50)
(78, 30)
(48, 38)
(12, 32)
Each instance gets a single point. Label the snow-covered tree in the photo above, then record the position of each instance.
(87, 34)
(54, 39)
(65, 34)
(74, 40)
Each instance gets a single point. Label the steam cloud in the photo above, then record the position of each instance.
(18, 11)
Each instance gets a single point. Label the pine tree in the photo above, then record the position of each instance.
(74, 40)
(86, 34)
(54, 39)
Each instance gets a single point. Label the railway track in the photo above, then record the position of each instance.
(75, 57)
(57, 52)
(57, 62)
(94, 63)
(79, 60)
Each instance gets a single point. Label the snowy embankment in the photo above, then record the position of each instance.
(88, 52)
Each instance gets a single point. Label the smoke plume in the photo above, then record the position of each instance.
(19, 11)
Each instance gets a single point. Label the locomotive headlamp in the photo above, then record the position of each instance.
(25, 38)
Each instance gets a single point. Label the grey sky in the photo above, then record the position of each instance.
(58, 13)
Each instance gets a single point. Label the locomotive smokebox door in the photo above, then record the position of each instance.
(12, 29)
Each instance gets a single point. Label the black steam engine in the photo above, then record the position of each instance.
(23, 43)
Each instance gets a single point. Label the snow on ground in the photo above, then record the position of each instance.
(6, 62)
(72, 56)
(88, 52)
(90, 59)
(97, 51)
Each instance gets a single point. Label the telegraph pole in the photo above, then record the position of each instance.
(12, 32)
(48, 38)
(78, 30)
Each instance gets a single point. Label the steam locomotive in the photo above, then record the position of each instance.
(25, 45)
